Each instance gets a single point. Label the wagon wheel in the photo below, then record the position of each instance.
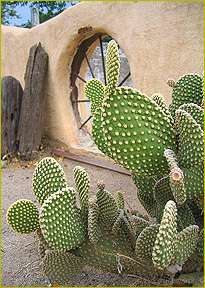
(81, 56)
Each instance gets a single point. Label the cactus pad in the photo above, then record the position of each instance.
(148, 202)
(61, 267)
(191, 136)
(82, 183)
(159, 99)
(171, 82)
(112, 66)
(145, 242)
(98, 134)
(171, 158)
(120, 200)
(139, 224)
(194, 183)
(134, 127)
(107, 208)
(200, 247)
(48, 178)
(195, 111)
(123, 224)
(188, 89)
(94, 231)
(95, 92)
(185, 244)
(23, 216)
(60, 220)
(162, 191)
(165, 242)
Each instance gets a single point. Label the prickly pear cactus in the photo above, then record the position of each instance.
(110, 241)
(107, 242)
(162, 147)
(137, 131)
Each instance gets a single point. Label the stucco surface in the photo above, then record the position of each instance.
(160, 39)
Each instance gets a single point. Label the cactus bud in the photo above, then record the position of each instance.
(171, 82)
(101, 185)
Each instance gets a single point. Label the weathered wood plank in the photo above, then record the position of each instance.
(11, 98)
(92, 161)
(31, 118)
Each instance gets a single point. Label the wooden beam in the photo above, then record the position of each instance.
(92, 161)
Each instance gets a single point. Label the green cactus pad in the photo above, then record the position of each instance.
(48, 178)
(165, 242)
(191, 136)
(112, 66)
(82, 183)
(194, 183)
(120, 200)
(195, 111)
(121, 204)
(139, 224)
(188, 89)
(145, 242)
(145, 192)
(95, 92)
(148, 202)
(137, 132)
(94, 231)
(200, 247)
(107, 208)
(185, 217)
(185, 244)
(197, 213)
(123, 224)
(98, 134)
(60, 220)
(162, 191)
(159, 99)
(61, 267)
(145, 183)
(23, 216)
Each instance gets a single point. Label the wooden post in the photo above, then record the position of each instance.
(11, 97)
(31, 117)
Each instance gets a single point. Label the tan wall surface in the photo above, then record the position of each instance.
(160, 39)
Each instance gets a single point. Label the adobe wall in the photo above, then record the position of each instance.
(160, 39)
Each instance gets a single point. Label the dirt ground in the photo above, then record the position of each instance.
(20, 262)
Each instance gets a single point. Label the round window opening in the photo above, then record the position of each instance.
(88, 63)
